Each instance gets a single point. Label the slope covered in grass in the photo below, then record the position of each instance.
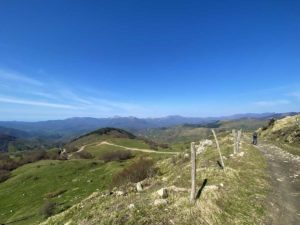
(115, 136)
(235, 195)
(284, 132)
(23, 195)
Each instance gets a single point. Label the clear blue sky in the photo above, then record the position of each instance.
(61, 59)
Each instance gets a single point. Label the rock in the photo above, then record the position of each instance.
(186, 156)
(120, 193)
(139, 187)
(163, 193)
(106, 193)
(131, 206)
(202, 144)
(241, 154)
(207, 142)
(158, 202)
(221, 185)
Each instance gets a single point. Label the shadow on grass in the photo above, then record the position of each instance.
(201, 189)
(220, 164)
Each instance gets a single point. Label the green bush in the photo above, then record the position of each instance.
(4, 175)
(117, 155)
(47, 209)
(137, 171)
(82, 155)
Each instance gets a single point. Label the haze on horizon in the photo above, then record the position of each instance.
(61, 59)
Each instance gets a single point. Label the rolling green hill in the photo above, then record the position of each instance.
(64, 183)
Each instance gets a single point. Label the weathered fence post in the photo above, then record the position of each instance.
(234, 141)
(193, 172)
(221, 158)
(297, 121)
(239, 135)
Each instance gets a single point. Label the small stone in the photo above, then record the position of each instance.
(120, 193)
(221, 185)
(186, 156)
(131, 206)
(241, 154)
(163, 193)
(158, 202)
(139, 187)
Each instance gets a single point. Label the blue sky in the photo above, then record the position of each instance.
(62, 59)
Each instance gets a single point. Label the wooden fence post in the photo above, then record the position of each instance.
(234, 141)
(239, 135)
(221, 158)
(193, 172)
(297, 121)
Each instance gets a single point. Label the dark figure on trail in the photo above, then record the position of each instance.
(254, 141)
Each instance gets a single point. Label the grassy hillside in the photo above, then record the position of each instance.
(66, 182)
(235, 195)
(114, 136)
(283, 132)
(23, 195)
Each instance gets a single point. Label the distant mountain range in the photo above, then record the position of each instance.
(54, 131)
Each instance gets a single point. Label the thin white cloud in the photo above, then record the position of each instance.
(71, 96)
(36, 103)
(295, 94)
(43, 94)
(272, 103)
(130, 107)
(17, 77)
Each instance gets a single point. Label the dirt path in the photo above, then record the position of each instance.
(137, 149)
(81, 148)
(284, 175)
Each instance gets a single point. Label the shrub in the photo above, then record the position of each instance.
(33, 156)
(8, 164)
(82, 155)
(119, 155)
(47, 209)
(137, 171)
(164, 145)
(4, 175)
(71, 148)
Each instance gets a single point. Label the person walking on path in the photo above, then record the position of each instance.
(254, 140)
